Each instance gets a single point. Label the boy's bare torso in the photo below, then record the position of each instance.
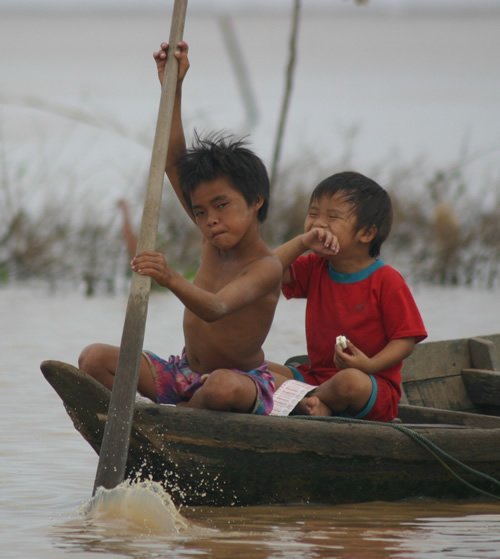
(234, 341)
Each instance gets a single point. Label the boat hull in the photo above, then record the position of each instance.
(222, 459)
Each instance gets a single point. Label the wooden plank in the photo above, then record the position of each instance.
(483, 386)
(495, 339)
(442, 392)
(422, 414)
(437, 359)
(483, 354)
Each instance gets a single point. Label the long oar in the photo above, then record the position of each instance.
(115, 442)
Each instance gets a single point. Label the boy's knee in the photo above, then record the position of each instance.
(220, 390)
(349, 382)
(89, 357)
(99, 361)
(84, 357)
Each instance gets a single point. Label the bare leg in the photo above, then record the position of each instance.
(280, 373)
(348, 390)
(100, 362)
(225, 390)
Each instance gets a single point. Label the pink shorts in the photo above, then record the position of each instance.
(176, 382)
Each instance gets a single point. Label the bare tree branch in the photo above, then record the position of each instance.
(292, 57)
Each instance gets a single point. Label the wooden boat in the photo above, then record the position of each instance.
(438, 448)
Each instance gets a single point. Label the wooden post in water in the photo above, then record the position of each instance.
(115, 442)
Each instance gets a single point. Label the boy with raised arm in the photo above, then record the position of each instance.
(230, 305)
(350, 294)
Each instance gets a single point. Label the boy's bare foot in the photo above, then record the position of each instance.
(312, 405)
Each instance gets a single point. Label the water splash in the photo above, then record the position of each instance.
(143, 507)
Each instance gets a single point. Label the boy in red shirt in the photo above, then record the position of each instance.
(350, 292)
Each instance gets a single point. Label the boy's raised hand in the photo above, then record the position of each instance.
(181, 53)
(321, 241)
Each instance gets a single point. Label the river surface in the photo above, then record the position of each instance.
(47, 470)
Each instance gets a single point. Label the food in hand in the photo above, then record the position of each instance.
(341, 341)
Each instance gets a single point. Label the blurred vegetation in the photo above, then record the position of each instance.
(442, 234)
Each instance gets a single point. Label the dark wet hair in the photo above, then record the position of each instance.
(219, 155)
(369, 201)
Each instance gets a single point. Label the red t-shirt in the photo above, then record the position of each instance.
(371, 308)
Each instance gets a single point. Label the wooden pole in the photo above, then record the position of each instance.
(115, 443)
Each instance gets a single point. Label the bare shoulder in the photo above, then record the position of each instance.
(257, 267)
(268, 263)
